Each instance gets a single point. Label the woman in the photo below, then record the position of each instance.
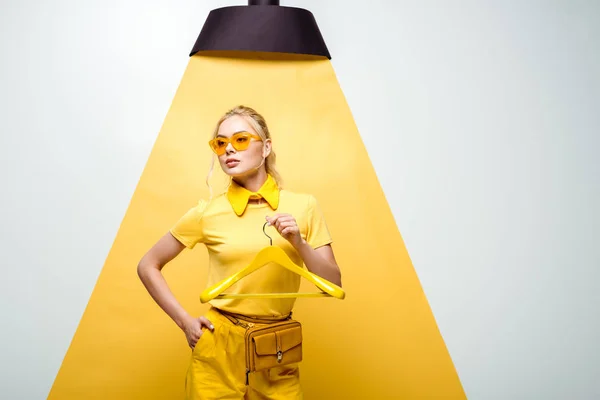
(230, 226)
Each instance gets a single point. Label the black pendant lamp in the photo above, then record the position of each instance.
(262, 25)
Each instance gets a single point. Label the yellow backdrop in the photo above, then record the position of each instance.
(380, 342)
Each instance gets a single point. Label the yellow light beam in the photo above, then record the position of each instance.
(381, 341)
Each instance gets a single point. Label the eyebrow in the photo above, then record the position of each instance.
(232, 133)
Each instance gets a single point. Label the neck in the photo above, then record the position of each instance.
(252, 182)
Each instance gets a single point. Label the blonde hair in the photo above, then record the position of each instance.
(259, 124)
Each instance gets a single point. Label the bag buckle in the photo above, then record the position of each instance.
(279, 356)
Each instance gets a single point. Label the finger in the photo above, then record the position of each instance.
(272, 221)
(281, 227)
(288, 231)
(276, 217)
(287, 220)
(204, 321)
(277, 224)
(286, 225)
(282, 222)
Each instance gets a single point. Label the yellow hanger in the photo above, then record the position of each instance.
(265, 256)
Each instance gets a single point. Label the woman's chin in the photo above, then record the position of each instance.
(236, 171)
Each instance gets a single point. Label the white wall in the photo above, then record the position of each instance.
(481, 119)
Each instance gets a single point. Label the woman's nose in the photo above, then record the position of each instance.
(229, 149)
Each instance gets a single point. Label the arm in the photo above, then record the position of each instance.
(320, 261)
(149, 271)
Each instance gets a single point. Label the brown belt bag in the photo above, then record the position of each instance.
(270, 344)
(273, 345)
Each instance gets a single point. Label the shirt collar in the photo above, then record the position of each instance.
(238, 195)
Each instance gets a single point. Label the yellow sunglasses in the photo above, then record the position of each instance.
(239, 140)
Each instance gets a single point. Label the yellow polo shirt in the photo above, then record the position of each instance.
(231, 230)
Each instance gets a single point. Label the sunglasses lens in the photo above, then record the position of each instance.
(218, 145)
(240, 141)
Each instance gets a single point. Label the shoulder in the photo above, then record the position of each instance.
(206, 206)
(299, 198)
(299, 201)
(217, 201)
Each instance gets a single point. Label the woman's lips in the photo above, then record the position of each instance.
(231, 163)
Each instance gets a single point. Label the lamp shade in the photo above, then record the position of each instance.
(262, 25)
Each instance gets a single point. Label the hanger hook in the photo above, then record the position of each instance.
(270, 239)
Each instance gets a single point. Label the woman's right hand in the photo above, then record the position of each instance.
(193, 329)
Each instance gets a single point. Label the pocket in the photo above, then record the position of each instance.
(205, 346)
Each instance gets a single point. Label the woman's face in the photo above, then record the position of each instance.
(238, 163)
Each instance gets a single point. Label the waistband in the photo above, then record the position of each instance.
(247, 321)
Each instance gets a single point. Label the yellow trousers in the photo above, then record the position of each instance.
(217, 368)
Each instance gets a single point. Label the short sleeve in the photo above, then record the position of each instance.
(317, 233)
(188, 230)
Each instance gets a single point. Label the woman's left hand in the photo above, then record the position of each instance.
(287, 227)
